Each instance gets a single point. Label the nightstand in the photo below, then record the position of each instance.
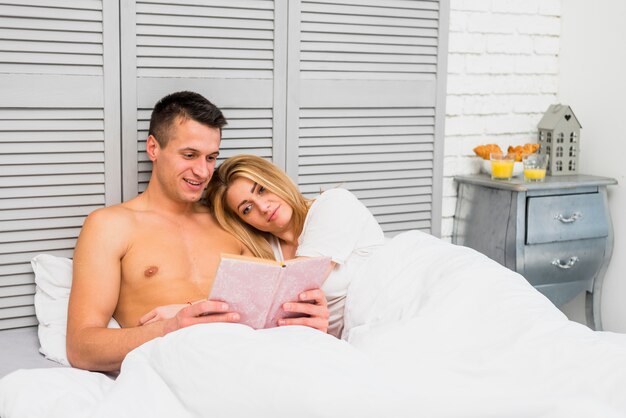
(557, 233)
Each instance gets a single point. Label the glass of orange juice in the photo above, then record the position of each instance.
(502, 166)
(535, 167)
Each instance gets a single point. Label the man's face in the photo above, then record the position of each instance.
(185, 165)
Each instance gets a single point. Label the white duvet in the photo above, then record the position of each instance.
(433, 330)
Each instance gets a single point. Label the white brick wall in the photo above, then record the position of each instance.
(502, 76)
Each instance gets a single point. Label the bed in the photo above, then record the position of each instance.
(433, 330)
(19, 349)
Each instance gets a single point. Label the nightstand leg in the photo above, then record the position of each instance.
(592, 311)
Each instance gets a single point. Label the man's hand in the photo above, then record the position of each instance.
(312, 303)
(162, 312)
(201, 312)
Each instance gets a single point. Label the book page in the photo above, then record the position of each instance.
(248, 287)
(296, 277)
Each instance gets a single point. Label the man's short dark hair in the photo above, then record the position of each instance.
(183, 105)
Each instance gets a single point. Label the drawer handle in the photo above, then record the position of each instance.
(568, 265)
(575, 216)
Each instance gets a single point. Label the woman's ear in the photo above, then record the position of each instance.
(152, 148)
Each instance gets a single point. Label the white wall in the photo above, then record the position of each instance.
(592, 79)
(502, 76)
(510, 59)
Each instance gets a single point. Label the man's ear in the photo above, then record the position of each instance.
(152, 148)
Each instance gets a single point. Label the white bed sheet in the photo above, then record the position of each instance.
(433, 330)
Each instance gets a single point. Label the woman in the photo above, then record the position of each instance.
(258, 203)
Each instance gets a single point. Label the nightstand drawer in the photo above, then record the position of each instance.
(566, 217)
(562, 262)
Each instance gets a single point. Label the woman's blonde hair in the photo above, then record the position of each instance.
(265, 174)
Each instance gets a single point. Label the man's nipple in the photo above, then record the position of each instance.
(151, 271)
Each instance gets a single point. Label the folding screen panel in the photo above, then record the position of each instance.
(59, 134)
(225, 50)
(369, 78)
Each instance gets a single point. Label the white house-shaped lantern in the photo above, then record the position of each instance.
(559, 137)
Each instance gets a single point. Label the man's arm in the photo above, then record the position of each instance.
(95, 290)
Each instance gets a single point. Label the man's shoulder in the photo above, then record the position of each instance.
(221, 237)
(119, 215)
(120, 210)
(202, 209)
(107, 230)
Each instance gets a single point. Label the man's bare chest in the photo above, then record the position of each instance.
(172, 253)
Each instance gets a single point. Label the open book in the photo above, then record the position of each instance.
(258, 288)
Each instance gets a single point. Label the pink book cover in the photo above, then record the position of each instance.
(257, 288)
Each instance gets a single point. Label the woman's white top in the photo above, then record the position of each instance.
(338, 226)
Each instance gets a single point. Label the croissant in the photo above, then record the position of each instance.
(483, 151)
(521, 150)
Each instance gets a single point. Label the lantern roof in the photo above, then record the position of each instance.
(557, 114)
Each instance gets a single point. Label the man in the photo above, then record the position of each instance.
(160, 248)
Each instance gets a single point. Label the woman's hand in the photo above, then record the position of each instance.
(160, 313)
(313, 304)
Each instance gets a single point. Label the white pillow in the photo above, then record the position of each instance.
(53, 279)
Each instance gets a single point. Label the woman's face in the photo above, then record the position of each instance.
(258, 207)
